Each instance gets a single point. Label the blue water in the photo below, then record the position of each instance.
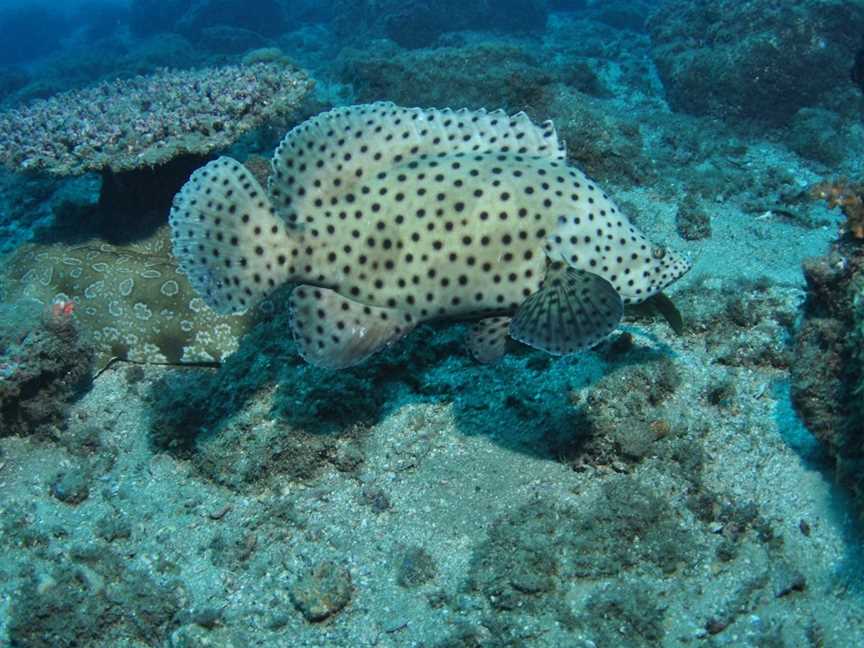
(365, 463)
(32, 30)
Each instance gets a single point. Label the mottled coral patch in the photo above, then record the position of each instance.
(130, 301)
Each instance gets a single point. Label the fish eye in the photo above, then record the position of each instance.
(658, 252)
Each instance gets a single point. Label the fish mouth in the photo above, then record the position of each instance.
(676, 266)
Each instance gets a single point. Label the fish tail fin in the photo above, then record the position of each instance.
(227, 237)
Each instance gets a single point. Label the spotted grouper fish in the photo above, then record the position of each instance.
(389, 216)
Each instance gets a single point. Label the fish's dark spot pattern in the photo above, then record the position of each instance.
(418, 213)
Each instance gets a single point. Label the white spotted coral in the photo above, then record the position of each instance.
(147, 120)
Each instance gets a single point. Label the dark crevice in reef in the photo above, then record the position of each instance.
(133, 204)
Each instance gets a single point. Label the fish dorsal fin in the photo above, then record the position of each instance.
(334, 332)
(572, 311)
(329, 155)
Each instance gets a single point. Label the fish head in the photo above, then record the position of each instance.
(641, 269)
(646, 272)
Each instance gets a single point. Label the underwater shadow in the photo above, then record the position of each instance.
(794, 432)
(533, 403)
(131, 207)
(523, 403)
(190, 403)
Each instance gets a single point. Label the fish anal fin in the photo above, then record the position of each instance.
(334, 332)
(667, 308)
(572, 311)
(487, 339)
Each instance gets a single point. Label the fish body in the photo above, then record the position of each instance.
(391, 216)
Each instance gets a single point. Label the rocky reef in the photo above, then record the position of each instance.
(760, 61)
(420, 23)
(828, 366)
(684, 483)
(44, 365)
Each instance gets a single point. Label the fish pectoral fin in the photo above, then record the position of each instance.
(572, 311)
(334, 332)
(487, 339)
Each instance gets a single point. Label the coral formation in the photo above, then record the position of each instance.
(44, 365)
(131, 301)
(848, 197)
(146, 121)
